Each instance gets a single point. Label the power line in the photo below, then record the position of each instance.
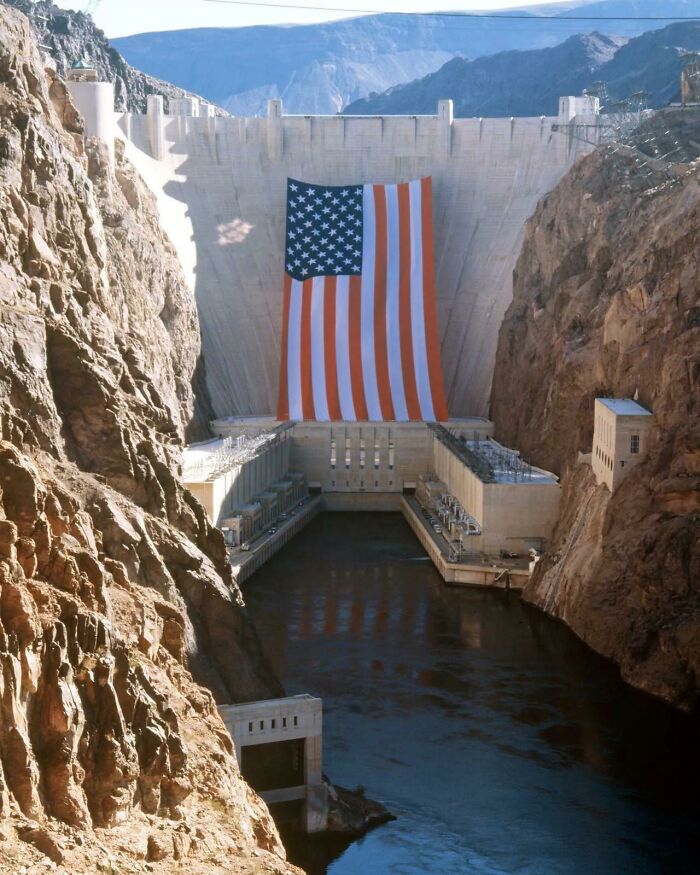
(473, 15)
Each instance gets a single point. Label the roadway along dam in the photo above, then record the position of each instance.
(221, 185)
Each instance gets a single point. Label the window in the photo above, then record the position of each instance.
(296, 721)
(391, 456)
(284, 723)
(348, 457)
(262, 724)
(333, 456)
(250, 727)
(376, 455)
(634, 443)
(273, 724)
(362, 454)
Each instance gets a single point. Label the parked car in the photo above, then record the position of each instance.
(438, 530)
(271, 531)
(245, 546)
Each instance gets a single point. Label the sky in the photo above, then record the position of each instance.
(124, 17)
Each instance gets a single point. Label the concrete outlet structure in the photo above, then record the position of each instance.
(279, 745)
(620, 436)
(490, 500)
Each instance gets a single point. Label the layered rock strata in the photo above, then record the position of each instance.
(116, 598)
(607, 303)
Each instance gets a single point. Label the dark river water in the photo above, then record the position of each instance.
(500, 742)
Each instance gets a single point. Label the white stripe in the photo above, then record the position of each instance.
(318, 350)
(393, 328)
(294, 352)
(420, 350)
(369, 362)
(342, 348)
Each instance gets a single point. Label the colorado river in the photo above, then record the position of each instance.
(501, 743)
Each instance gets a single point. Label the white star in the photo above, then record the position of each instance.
(358, 239)
(326, 210)
(303, 271)
(335, 201)
(293, 187)
(301, 198)
(296, 262)
(332, 232)
(345, 192)
(326, 193)
(356, 268)
(343, 208)
(309, 208)
(308, 224)
(338, 268)
(325, 225)
(289, 268)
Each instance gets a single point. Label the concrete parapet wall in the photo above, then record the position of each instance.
(221, 186)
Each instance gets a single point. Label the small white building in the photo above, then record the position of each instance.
(279, 746)
(620, 436)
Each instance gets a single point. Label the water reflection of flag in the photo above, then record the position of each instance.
(360, 336)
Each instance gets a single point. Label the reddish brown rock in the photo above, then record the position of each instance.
(116, 596)
(607, 302)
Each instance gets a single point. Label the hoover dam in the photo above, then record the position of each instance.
(220, 183)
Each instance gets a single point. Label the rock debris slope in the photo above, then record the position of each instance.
(116, 598)
(607, 303)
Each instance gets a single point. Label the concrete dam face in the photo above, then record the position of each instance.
(221, 187)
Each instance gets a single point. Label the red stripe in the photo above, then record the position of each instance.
(380, 344)
(329, 350)
(405, 324)
(283, 392)
(355, 329)
(431, 330)
(307, 390)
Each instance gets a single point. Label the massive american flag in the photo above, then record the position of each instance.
(359, 335)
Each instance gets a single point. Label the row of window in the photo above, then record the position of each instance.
(362, 456)
(273, 723)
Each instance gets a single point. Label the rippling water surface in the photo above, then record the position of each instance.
(500, 742)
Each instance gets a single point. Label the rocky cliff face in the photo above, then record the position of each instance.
(607, 303)
(116, 597)
(69, 36)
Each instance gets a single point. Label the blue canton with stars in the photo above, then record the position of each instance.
(324, 230)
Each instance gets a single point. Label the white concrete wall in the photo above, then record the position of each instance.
(95, 102)
(220, 187)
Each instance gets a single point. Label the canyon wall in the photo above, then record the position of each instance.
(116, 596)
(221, 188)
(607, 303)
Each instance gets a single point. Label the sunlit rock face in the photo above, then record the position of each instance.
(607, 303)
(115, 593)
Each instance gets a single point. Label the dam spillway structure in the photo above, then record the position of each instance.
(220, 185)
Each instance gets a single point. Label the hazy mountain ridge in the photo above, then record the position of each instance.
(530, 83)
(323, 67)
(509, 83)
